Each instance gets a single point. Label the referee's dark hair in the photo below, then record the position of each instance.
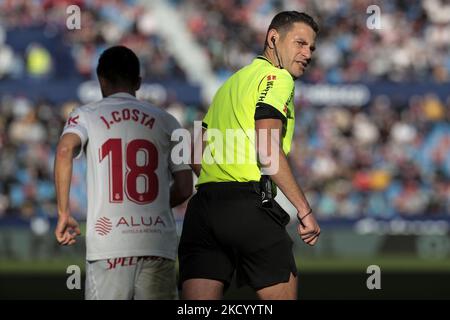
(119, 66)
(284, 20)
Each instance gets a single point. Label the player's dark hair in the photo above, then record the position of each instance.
(283, 22)
(119, 65)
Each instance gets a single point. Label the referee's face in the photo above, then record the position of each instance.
(296, 48)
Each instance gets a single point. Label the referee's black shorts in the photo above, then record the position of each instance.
(226, 229)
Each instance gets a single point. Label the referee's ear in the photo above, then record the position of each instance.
(272, 34)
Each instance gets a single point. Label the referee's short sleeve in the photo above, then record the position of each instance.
(266, 111)
(274, 94)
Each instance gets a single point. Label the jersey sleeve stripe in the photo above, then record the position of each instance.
(266, 111)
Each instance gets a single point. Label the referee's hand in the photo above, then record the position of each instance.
(67, 230)
(309, 229)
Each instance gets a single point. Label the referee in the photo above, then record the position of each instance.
(233, 223)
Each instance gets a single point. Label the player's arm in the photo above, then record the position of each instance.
(196, 157)
(181, 188)
(67, 228)
(272, 128)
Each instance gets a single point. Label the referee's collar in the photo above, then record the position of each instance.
(265, 59)
(261, 57)
(122, 95)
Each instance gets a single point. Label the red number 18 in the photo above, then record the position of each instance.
(146, 171)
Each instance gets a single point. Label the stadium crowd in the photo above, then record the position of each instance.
(380, 160)
(104, 23)
(413, 42)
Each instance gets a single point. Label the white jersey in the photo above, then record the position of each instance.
(127, 144)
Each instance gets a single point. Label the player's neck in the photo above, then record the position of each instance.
(110, 92)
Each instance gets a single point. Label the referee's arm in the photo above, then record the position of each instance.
(308, 229)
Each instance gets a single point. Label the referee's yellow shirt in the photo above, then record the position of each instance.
(258, 91)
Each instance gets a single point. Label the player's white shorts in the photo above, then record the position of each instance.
(139, 278)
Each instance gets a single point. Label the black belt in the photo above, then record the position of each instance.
(265, 187)
(229, 184)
